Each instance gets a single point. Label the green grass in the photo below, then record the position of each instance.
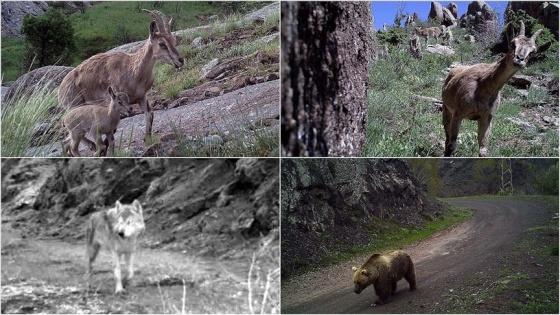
(21, 116)
(395, 235)
(399, 124)
(13, 51)
(103, 27)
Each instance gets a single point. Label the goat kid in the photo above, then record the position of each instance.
(98, 119)
(473, 92)
(428, 32)
(132, 74)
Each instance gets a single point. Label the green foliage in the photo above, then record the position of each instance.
(547, 183)
(49, 39)
(395, 36)
(487, 172)
(13, 51)
(20, 118)
(427, 171)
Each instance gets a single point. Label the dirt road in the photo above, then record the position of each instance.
(482, 246)
(45, 276)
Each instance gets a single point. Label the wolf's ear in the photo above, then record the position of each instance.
(137, 205)
(354, 269)
(118, 205)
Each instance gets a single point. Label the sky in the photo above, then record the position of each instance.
(385, 11)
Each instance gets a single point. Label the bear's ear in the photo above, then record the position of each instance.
(364, 272)
(354, 269)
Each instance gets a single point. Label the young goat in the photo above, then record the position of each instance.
(98, 119)
(132, 74)
(473, 92)
(428, 32)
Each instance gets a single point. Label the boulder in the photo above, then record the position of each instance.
(48, 77)
(481, 20)
(452, 7)
(441, 14)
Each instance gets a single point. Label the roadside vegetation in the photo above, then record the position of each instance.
(389, 234)
(405, 119)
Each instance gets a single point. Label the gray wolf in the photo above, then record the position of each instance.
(117, 230)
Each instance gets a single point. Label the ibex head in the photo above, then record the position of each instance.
(522, 46)
(163, 42)
(120, 100)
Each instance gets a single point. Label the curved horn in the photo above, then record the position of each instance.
(534, 37)
(160, 19)
(522, 29)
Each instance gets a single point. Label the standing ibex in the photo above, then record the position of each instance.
(473, 92)
(428, 32)
(97, 119)
(132, 74)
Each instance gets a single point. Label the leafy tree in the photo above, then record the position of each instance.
(49, 39)
(547, 184)
(427, 170)
(487, 173)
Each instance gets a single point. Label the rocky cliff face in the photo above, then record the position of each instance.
(209, 205)
(325, 80)
(334, 204)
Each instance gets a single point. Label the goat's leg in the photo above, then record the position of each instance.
(111, 143)
(92, 146)
(451, 144)
(484, 127)
(76, 138)
(99, 143)
(145, 106)
(447, 119)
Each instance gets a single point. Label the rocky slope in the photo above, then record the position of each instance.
(212, 206)
(329, 205)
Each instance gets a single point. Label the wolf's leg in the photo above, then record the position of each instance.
(119, 288)
(129, 257)
(92, 251)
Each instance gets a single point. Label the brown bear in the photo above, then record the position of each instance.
(384, 271)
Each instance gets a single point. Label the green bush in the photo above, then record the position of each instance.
(547, 184)
(49, 39)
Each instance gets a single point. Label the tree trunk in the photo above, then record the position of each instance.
(326, 50)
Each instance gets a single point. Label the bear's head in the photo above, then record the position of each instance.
(362, 278)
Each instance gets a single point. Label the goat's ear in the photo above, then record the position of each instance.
(153, 29)
(544, 47)
(111, 92)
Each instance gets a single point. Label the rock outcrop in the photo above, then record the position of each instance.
(481, 20)
(45, 78)
(325, 81)
(183, 199)
(441, 14)
(546, 12)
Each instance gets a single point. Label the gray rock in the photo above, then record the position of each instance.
(48, 77)
(209, 66)
(440, 50)
(262, 13)
(268, 38)
(197, 42)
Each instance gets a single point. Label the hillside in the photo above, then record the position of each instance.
(222, 102)
(196, 211)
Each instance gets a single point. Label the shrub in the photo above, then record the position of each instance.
(49, 39)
